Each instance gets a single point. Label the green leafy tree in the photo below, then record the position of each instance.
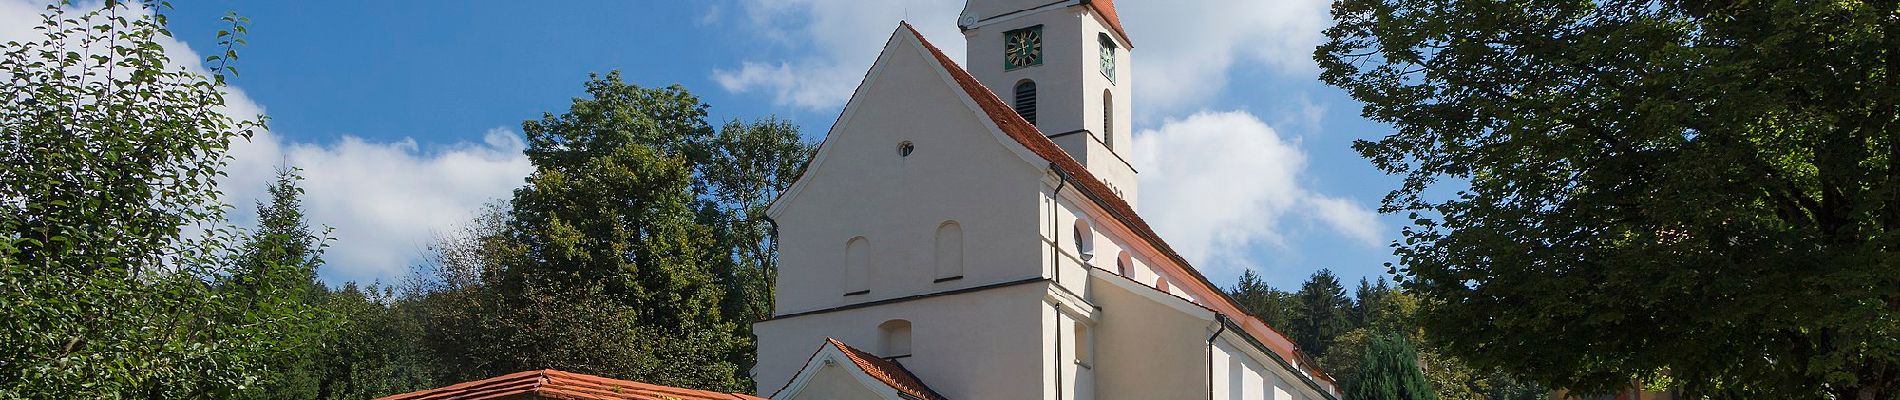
(112, 239)
(747, 166)
(1388, 370)
(1323, 313)
(619, 255)
(376, 348)
(1701, 192)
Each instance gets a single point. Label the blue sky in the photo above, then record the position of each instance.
(405, 115)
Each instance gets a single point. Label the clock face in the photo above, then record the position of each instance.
(1022, 47)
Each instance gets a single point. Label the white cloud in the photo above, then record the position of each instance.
(839, 40)
(1219, 183)
(385, 200)
(1195, 46)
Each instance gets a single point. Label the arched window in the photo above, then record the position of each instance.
(949, 251)
(893, 338)
(1108, 119)
(857, 266)
(1026, 100)
(1124, 264)
(1084, 240)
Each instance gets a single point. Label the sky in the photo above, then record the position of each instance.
(404, 116)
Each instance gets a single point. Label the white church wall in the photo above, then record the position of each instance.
(974, 345)
(1148, 347)
(1256, 376)
(835, 383)
(860, 186)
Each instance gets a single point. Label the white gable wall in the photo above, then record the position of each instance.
(859, 186)
(976, 345)
(833, 382)
(984, 343)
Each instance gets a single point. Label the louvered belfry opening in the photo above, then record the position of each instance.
(1026, 100)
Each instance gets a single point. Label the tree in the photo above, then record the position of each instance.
(276, 276)
(1323, 313)
(1388, 370)
(112, 238)
(1273, 306)
(747, 166)
(1607, 191)
(376, 348)
(619, 254)
(1367, 300)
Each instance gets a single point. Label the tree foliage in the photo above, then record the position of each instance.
(276, 274)
(637, 249)
(1273, 306)
(1324, 312)
(1605, 191)
(113, 252)
(1388, 370)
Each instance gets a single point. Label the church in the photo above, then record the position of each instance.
(969, 232)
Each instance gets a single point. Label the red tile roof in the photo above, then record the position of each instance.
(887, 371)
(1107, 9)
(553, 384)
(1025, 133)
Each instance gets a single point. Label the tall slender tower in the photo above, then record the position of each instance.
(1065, 66)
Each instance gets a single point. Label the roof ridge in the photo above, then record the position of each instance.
(567, 385)
(891, 373)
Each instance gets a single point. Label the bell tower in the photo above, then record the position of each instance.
(1064, 66)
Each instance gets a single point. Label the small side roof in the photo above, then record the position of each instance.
(556, 384)
(886, 372)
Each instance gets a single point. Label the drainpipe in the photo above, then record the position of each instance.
(1058, 364)
(1219, 319)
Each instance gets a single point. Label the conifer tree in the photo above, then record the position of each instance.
(1324, 312)
(276, 274)
(1388, 370)
(1273, 306)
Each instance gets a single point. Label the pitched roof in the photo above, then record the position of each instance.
(1026, 134)
(887, 371)
(1107, 9)
(554, 384)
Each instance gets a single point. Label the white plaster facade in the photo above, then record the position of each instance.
(1014, 272)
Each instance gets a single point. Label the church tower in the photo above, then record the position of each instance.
(1065, 67)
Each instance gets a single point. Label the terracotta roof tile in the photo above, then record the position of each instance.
(1025, 133)
(1107, 9)
(887, 371)
(554, 384)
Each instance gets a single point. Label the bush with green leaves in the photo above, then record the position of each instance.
(115, 260)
